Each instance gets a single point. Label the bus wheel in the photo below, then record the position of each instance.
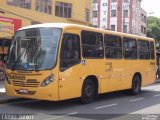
(88, 91)
(136, 85)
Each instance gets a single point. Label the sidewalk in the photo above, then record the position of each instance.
(6, 99)
(3, 97)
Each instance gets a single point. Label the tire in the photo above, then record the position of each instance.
(88, 91)
(136, 85)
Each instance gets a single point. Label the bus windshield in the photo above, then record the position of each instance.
(34, 49)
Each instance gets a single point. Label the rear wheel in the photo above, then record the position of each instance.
(88, 91)
(136, 85)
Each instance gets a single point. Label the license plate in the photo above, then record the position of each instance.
(23, 91)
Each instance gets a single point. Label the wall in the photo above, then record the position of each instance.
(28, 16)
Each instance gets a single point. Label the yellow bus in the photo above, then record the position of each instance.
(58, 61)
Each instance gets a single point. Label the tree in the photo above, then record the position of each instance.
(153, 28)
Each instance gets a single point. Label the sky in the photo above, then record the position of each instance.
(152, 7)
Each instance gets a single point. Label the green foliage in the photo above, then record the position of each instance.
(153, 28)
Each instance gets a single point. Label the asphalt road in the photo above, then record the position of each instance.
(117, 105)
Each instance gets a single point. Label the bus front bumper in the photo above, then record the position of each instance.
(41, 93)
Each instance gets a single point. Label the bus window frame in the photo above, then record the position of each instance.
(153, 50)
(120, 58)
(102, 36)
(80, 55)
(130, 39)
(138, 49)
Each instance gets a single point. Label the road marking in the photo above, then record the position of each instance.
(2, 90)
(136, 99)
(62, 116)
(106, 106)
(18, 102)
(156, 95)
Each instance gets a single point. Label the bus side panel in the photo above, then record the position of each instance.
(113, 76)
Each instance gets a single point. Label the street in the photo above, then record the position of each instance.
(117, 105)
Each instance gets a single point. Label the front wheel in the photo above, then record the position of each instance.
(88, 91)
(136, 85)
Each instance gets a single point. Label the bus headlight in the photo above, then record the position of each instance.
(47, 81)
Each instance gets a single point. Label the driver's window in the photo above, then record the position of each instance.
(70, 51)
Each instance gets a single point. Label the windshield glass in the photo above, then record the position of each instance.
(34, 49)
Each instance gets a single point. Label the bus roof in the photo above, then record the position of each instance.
(57, 25)
(63, 25)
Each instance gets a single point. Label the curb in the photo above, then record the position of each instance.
(10, 100)
(158, 81)
(6, 99)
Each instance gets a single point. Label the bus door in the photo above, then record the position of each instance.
(70, 67)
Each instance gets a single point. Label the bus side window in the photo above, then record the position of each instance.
(113, 46)
(92, 45)
(130, 48)
(152, 53)
(70, 51)
(143, 49)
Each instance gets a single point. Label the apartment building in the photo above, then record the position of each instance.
(119, 15)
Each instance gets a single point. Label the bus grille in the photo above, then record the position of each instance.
(28, 83)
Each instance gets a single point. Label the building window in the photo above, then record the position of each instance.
(95, 1)
(95, 14)
(113, 13)
(114, 1)
(44, 6)
(125, 28)
(129, 48)
(34, 23)
(63, 9)
(143, 30)
(145, 19)
(87, 15)
(113, 27)
(20, 3)
(125, 13)
(113, 46)
(92, 45)
(95, 26)
(126, 1)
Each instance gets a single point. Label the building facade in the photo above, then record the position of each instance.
(119, 15)
(29, 12)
